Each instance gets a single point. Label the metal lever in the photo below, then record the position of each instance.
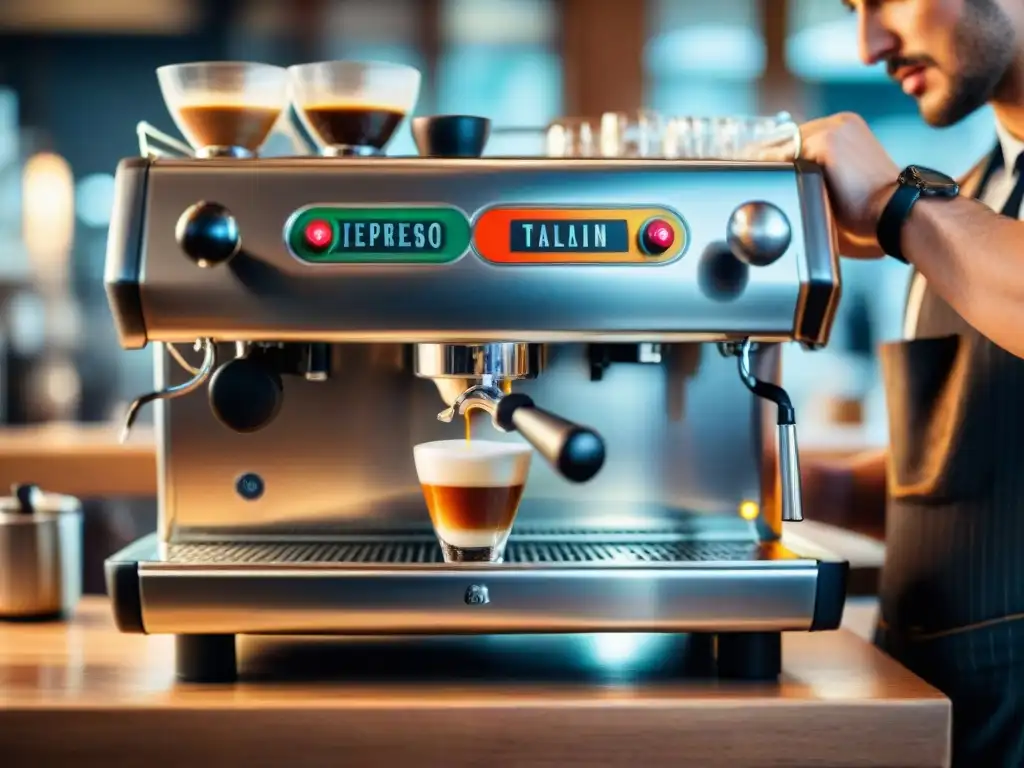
(178, 390)
(789, 458)
(147, 135)
(576, 452)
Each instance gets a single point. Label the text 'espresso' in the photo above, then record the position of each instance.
(391, 237)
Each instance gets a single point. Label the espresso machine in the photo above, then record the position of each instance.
(314, 317)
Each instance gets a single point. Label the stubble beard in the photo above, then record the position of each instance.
(985, 46)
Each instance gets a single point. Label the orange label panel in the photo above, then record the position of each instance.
(583, 235)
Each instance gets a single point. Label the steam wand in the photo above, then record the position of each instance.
(178, 390)
(789, 458)
(576, 452)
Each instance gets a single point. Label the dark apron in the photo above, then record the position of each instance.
(952, 588)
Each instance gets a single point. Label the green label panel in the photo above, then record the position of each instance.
(376, 235)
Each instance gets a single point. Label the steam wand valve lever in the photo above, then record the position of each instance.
(178, 390)
(576, 452)
(789, 458)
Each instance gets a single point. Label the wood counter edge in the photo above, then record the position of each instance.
(112, 696)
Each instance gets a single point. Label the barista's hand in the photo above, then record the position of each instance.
(860, 175)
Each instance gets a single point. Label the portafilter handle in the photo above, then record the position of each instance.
(575, 451)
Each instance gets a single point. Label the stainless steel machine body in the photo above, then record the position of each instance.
(315, 523)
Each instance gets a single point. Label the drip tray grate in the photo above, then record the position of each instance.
(427, 551)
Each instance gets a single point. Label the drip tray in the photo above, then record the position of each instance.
(426, 552)
(391, 586)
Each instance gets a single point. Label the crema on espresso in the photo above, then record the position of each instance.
(472, 489)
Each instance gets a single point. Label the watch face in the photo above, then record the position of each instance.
(931, 181)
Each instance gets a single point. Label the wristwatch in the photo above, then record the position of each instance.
(914, 183)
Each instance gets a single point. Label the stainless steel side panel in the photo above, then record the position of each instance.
(332, 600)
(683, 437)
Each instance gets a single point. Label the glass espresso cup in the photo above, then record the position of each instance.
(472, 489)
(224, 108)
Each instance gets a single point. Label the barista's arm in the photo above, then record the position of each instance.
(867, 247)
(971, 257)
(974, 259)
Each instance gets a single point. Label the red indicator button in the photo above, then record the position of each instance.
(657, 237)
(319, 234)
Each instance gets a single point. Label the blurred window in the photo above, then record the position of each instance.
(366, 30)
(382, 30)
(499, 59)
(94, 199)
(703, 58)
(10, 181)
(822, 44)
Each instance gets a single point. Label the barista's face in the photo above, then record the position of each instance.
(952, 56)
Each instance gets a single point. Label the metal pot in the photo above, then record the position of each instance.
(40, 554)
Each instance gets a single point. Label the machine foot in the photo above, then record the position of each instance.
(699, 661)
(205, 658)
(750, 655)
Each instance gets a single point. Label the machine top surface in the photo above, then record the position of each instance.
(470, 250)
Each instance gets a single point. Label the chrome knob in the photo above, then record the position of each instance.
(758, 233)
(208, 234)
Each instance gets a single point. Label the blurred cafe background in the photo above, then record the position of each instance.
(76, 77)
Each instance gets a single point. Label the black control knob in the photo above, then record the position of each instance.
(208, 234)
(451, 135)
(576, 452)
(26, 495)
(245, 395)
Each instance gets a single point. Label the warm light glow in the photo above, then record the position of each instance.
(749, 510)
(165, 17)
(48, 208)
(614, 648)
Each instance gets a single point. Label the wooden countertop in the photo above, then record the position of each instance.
(85, 694)
(84, 460)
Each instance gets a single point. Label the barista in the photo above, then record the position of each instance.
(952, 591)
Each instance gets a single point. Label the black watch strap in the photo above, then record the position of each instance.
(890, 223)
